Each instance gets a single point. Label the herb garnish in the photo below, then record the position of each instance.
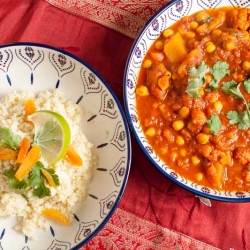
(242, 118)
(214, 124)
(196, 79)
(218, 70)
(34, 180)
(8, 140)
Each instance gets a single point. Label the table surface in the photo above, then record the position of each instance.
(159, 213)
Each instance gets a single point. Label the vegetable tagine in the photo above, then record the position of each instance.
(193, 97)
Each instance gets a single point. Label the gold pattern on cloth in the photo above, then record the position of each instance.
(126, 16)
(127, 231)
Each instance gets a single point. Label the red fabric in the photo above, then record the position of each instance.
(149, 195)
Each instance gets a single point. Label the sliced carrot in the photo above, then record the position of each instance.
(28, 162)
(49, 178)
(7, 154)
(24, 148)
(56, 215)
(29, 107)
(73, 157)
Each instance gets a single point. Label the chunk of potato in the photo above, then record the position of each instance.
(175, 49)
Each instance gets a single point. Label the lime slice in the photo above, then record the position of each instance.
(52, 135)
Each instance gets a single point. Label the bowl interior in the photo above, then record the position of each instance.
(164, 18)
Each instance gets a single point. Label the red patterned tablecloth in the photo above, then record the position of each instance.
(154, 213)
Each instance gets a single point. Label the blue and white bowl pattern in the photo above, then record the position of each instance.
(164, 18)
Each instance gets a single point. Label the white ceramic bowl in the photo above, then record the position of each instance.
(37, 67)
(164, 18)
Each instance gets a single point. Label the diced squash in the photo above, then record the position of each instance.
(217, 174)
(175, 49)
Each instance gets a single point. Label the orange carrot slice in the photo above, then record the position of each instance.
(49, 178)
(24, 148)
(56, 215)
(73, 157)
(29, 107)
(28, 162)
(7, 154)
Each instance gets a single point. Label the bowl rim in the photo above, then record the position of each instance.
(124, 119)
(127, 111)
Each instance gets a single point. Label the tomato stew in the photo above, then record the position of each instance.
(193, 97)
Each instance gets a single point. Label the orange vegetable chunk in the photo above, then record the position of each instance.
(7, 154)
(175, 49)
(49, 178)
(25, 146)
(56, 215)
(27, 164)
(29, 107)
(73, 157)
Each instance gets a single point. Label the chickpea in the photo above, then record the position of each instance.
(208, 78)
(159, 45)
(216, 33)
(229, 45)
(218, 105)
(142, 90)
(178, 125)
(167, 33)
(246, 65)
(184, 112)
(209, 47)
(147, 64)
(195, 160)
(150, 132)
(202, 138)
(190, 34)
(199, 176)
(180, 140)
(193, 25)
(164, 150)
(201, 16)
(183, 152)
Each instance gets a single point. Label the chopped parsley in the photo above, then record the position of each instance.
(246, 85)
(214, 124)
(241, 118)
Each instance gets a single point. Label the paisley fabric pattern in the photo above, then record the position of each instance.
(127, 231)
(125, 16)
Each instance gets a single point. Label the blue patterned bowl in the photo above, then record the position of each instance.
(164, 18)
(37, 67)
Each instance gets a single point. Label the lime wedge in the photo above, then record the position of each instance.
(52, 135)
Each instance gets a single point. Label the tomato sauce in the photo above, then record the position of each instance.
(193, 97)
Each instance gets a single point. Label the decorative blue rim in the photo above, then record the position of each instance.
(123, 186)
(209, 196)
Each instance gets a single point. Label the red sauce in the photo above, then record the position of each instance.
(186, 92)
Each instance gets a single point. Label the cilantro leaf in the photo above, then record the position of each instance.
(193, 87)
(41, 190)
(214, 124)
(246, 85)
(35, 174)
(196, 79)
(8, 140)
(241, 118)
(14, 183)
(200, 71)
(220, 70)
(233, 89)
